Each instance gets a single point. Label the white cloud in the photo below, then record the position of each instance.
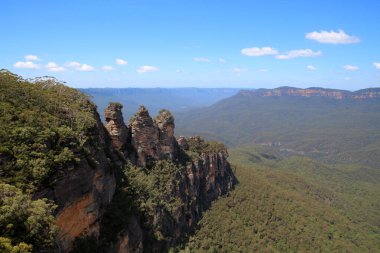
(298, 53)
(53, 67)
(257, 51)
(350, 68)
(79, 66)
(86, 67)
(347, 78)
(73, 64)
(331, 37)
(221, 60)
(26, 65)
(121, 62)
(239, 70)
(201, 59)
(263, 70)
(377, 65)
(107, 68)
(144, 69)
(311, 67)
(31, 57)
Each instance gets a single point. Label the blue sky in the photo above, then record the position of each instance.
(215, 43)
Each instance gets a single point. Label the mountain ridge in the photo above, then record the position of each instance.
(313, 92)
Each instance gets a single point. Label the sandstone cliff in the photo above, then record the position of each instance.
(199, 174)
(151, 187)
(71, 184)
(83, 190)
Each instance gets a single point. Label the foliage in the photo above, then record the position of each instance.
(326, 129)
(293, 205)
(24, 221)
(152, 188)
(7, 247)
(44, 125)
(198, 146)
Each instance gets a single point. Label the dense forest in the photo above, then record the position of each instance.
(293, 205)
(308, 169)
(327, 129)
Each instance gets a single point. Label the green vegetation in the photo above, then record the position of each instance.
(198, 146)
(293, 205)
(326, 129)
(44, 129)
(140, 193)
(283, 203)
(24, 222)
(152, 190)
(44, 126)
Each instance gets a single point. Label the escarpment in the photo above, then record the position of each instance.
(187, 176)
(99, 187)
(313, 92)
(83, 190)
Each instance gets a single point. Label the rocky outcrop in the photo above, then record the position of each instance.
(182, 142)
(116, 126)
(165, 124)
(111, 188)
(130, 239)
(144, 138)
(313, 92)
(205, 175)
(82, 190)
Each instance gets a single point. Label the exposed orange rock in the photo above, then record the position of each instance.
(75, 220)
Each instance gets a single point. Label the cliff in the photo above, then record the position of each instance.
(94, 187)
(313, 92)
(172, 182)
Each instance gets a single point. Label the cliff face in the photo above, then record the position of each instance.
(83, 190)
(202, 175)
(105, 188)
(313, 92)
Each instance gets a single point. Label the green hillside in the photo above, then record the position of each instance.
(308, 169)
(293, 205)
(44, 129)
(328, 129)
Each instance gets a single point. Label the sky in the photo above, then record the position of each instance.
(197, 43)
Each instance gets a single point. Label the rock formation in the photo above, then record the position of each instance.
(145, 140)
(116, 126)
(86, 190)
(205, 176)
(82, 191)
(165, 124)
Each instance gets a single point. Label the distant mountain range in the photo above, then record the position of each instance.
(313, 92)
(173, 99)
(333, 125)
